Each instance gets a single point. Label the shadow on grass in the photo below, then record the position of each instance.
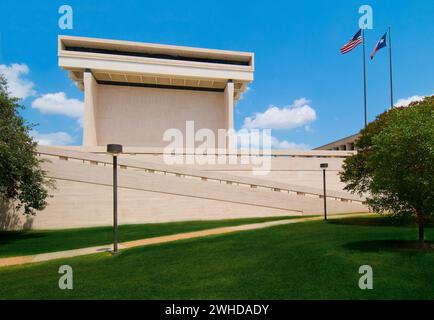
(380, 221)
(14, 236)
(389, 245)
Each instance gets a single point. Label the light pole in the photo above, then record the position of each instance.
(115, 149)
(324, 166)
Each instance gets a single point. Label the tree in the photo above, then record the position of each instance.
(21, 178)
(394, 165)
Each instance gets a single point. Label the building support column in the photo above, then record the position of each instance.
(90, 105)
(229, 112)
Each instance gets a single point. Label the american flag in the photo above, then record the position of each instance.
(354, 42)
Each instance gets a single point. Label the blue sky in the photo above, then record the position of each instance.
(296, 46)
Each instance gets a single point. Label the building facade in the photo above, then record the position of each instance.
(134, 91)
(346, 143)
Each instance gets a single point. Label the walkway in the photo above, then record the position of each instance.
(157, 240)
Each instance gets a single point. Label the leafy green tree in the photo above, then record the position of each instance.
(394, 165)
(21, 178)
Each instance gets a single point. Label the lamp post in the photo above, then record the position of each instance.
(114, 150)
(324, 166)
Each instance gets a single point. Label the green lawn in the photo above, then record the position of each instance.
(308, 260)
(33, 242)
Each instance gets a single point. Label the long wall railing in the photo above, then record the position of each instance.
(216, 151)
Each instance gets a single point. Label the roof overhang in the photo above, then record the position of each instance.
(136, 63)
(337, 143)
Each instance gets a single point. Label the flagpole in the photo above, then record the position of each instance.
(390, 70)
(364, 77)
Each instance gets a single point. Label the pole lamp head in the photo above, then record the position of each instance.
(324, 165)
(114, 149)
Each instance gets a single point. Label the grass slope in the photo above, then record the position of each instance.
(33, 242)
(309, 260)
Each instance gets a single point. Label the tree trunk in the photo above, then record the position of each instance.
(421, 222)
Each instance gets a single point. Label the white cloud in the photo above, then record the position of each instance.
(59, 103)
(52, 103)
(18, 86)
(406, 101)
(293, 116)
(256, 132)
(259, 139)
(52, 139)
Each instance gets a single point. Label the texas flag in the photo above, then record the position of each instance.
(380, 44)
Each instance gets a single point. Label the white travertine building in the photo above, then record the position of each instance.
(133, 92)
(346, 143)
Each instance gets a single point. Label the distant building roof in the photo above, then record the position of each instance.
(346, 143)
